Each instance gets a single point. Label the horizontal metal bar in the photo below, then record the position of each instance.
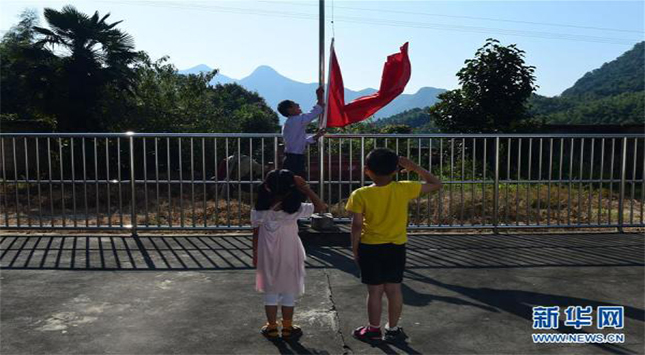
(344, 182)
(126, 228)
(332, 136)
(507, 226)
(482, 135)
(132, 134)
(343, 221)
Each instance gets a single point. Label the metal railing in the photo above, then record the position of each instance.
(146, 181)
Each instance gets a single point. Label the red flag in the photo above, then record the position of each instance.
(396, 74)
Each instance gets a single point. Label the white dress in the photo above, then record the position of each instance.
(281, 256)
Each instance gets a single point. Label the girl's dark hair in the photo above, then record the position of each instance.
(279, 186)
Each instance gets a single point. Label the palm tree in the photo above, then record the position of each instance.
(94, 54)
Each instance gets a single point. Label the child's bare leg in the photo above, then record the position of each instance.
(287, 313)
(272, 314)
(394, 303)
(374, 303)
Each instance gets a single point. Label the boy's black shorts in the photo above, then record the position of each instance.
(381, 263)
(295, 163)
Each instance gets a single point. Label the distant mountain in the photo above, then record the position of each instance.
(219, 78)
(275, 87)
(611, 94)
(417, 118)
(623, 74)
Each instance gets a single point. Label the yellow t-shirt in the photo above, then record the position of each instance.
(385, 210)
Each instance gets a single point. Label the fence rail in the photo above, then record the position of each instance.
(147, 181)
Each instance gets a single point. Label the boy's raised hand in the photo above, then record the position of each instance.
(321, 132)
(319, 94)
(407, 164)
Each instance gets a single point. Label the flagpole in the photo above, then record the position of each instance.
(321, 81)
(326, 111)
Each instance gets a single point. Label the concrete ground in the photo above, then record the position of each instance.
(71, 294)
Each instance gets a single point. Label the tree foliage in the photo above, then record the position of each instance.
(83, 73)
(622, 109)
(27, 73)
(495, 86)
(165, 101)
(91, 54)
(417, 119)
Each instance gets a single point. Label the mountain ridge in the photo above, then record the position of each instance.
(275, 87)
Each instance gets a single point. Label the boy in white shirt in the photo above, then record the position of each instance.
(295, 135)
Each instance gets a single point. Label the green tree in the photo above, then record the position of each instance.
(495, 87)
(165, 101)
(396, 129)
(26, 72)
(243, 111)
(418, 119)
(93, 53)
(83, 73)
(626, 108)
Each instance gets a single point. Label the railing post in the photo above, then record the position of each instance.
(133, 212)
(496, 190)
(621, 197)
(133, 223)
(321, 169)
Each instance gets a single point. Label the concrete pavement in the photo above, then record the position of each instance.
(70, 294)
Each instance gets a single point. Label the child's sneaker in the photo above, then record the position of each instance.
(270, 331)
(367, 333)
(394, 336)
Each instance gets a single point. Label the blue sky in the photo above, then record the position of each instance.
(563, 39)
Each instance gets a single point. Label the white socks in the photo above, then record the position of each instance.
(387, 327)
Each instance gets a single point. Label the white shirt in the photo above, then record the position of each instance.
(294, 131)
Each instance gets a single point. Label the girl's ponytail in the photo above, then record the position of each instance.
(291, 196)
(264, 198)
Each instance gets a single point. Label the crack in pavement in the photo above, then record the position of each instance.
(346, 348)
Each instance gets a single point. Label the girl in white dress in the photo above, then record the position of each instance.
(278, 254)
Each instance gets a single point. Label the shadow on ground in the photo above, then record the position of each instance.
(425, 253)
(231, 252)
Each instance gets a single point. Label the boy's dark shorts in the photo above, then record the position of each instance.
(381, 263)
(295, 163)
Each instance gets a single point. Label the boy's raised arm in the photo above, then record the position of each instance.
(432, 182)
(316, 111)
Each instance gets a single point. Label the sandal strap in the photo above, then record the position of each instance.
(288, 331)
(270, 330)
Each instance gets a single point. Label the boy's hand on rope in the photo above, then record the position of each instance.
(321, 132)
(407, 164)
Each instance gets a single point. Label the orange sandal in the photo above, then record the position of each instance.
(270, 331)
(291, 332)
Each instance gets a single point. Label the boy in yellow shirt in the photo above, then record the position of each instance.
(379, 233)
